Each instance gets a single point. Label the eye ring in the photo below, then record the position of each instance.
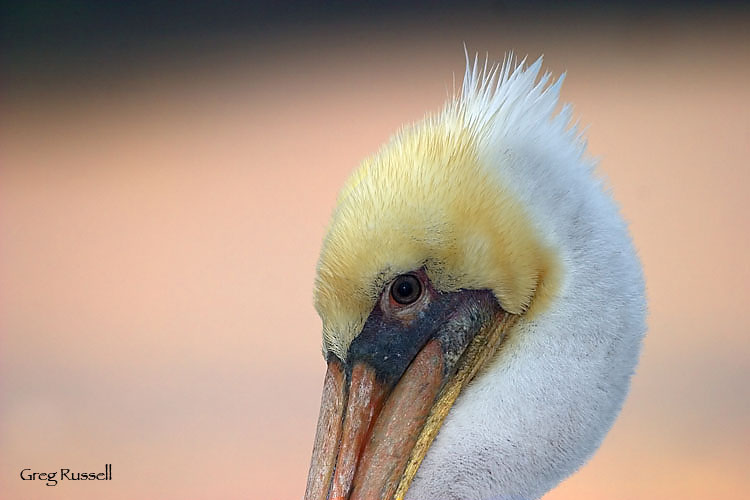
(406, 289)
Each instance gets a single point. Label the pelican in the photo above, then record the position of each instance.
(482, 304)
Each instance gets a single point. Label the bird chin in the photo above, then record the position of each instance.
(373, 431)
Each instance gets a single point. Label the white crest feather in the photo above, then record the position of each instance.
(510, 101)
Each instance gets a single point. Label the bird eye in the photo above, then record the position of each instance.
(406, 289)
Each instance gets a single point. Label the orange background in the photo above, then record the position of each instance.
(160, 223)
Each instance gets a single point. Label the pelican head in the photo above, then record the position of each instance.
(482, 304)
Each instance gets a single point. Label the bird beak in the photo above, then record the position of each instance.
(373, 434)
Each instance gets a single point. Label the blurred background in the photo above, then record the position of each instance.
(167, 170)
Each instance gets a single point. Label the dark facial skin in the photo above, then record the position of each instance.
(394, 333)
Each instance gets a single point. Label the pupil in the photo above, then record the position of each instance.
(405, 288)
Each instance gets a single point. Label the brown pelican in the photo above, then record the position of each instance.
(481, 301)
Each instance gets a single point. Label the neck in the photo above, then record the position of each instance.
(554, 389)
